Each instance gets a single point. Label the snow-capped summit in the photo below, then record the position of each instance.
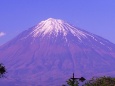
(56, 27)
(48, 54)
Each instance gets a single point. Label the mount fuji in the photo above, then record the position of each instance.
(48, 53)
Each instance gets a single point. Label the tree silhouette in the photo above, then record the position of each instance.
(2, 70)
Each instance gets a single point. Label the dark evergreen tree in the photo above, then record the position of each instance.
(2, 70)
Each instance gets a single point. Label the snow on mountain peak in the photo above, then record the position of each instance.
(54, 20)
(56, 27)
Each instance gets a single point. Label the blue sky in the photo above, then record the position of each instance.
(96, 16)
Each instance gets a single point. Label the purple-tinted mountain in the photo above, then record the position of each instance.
(48, 53)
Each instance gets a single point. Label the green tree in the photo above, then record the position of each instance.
(71, 82)
(74, 81)
(101, 81)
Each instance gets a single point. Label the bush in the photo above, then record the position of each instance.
(101, 81)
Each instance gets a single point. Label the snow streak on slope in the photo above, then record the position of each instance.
(53, 28)
(56, 27)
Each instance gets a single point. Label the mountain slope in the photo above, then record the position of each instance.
(48, 53)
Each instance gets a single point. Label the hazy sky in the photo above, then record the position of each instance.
(96, 16)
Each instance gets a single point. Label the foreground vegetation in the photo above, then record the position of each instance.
(2, 70)
(99, 81)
